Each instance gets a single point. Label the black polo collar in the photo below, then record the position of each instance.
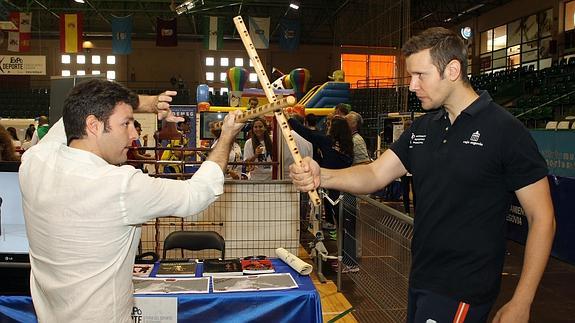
(473, 109)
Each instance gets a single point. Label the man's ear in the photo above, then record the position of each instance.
(453, 70)
(93, 126)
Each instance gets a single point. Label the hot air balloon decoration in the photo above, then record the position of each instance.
(236, 79)
(299, 79)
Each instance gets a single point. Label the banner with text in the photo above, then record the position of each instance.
(22, 65)
(558, 149)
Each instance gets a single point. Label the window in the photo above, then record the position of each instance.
(224, 61)
(65, 72)
(239, 62)
(111, 75)
(95, 72)
(210, 61)
(209, 76)
(81, 72)
(223, 90)
(569, 15)
(65, 59)
(81, 59)
(111, 60)
(96, 59)
(216, 67)
(521, 42)
(360, 67)
(223, 77)
(253, 77)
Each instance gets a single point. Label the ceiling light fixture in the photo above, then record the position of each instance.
(79, 1)
(188, 5)
(294, 5)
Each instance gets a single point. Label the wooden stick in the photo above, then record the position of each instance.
(268, 90)
(261, 110)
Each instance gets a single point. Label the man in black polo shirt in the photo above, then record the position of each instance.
(467, 159)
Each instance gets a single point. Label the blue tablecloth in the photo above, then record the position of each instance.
(293, 305)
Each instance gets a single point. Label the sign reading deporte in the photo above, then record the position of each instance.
(22, 65)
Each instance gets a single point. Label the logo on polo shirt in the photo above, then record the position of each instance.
(474, 139)
(416, 140)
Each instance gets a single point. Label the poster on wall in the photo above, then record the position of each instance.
(22, 65)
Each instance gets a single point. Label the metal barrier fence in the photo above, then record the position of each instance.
(254, 217)
(377, 239)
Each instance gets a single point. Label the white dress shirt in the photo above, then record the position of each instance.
(83, 221)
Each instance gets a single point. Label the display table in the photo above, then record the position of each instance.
(292, 305)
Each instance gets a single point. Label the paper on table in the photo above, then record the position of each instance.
(302, 267)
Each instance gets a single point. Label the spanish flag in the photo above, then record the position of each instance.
(71, 27)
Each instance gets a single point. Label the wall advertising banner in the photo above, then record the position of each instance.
(22, 65)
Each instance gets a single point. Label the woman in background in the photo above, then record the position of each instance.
(259, 149)
(15, 141)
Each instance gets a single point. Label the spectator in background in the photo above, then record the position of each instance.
(360, 154)
(27, 143)
(259, 149)
(304, 147)
(341, 109)
(333, 150)
(15, 141)
(311, 121)
(139, 154)
(7, 151)
(235, 156)
(41, 131)
(253, 102)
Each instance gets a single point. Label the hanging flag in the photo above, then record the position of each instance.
(71, 29)
(289, 34)
(260, 32)
(122, 35)
(213, 33)
(19, 41)
(166, 32)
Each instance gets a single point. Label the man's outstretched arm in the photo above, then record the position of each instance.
(360, 179)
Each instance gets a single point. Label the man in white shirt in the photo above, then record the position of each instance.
(84, 214)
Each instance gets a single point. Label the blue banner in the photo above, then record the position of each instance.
(289, 34)
(558, 149)
(122, 35)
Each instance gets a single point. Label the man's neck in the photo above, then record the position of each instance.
(86, 145)
(461, 97)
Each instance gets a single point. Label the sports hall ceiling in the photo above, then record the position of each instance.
(336, 22)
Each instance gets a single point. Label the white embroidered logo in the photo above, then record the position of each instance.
(474, 140)
(416, 140)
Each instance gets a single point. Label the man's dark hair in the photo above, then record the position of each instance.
(342, 108)
(95, 97)
(137, 124)
(444, 46)
(311, 120)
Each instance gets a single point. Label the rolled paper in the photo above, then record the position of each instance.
(302, 267)
(237, 78)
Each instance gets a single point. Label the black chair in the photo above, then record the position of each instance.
(194, 240)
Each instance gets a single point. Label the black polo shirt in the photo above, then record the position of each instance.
(464, 176)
